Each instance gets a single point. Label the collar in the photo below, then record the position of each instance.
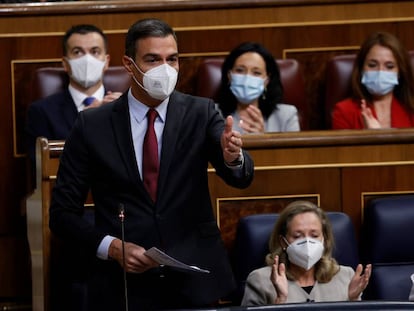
(138, 110)
(78, 96)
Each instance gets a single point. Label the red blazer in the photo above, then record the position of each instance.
(347, 115)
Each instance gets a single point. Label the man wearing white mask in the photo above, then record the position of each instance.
(85, 59)
(300, 263)
(145, 158)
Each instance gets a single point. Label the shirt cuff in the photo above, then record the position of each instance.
(103, 248)
(238, 163)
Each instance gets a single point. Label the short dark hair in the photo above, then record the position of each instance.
(82, 29)
(274, 91)
(150, 27)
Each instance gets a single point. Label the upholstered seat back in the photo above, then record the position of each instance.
(252, 243)
(338, 82)
(50, 80)
(209, 77)
(388, 243)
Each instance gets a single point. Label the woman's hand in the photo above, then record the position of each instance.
(279, 281)
(368, 117)
(251, 120)
(359, 282)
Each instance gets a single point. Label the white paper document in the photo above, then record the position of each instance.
(166, 260)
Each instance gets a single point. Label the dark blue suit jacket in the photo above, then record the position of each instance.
(51, 117)
(99, 156)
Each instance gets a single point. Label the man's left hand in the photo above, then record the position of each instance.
(231, 142)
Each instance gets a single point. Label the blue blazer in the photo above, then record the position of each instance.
(99, 156)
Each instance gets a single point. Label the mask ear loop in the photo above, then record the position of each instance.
(141, 72)
(136, 66)
(264, 93)
(286, 241)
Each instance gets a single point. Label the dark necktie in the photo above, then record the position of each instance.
(150, 165)
(88, 100)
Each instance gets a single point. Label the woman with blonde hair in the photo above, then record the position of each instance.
(300, 263)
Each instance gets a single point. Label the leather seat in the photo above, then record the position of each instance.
(209, 78)
(252, 239)
(50, 80)
(388, 244)
(338, 83)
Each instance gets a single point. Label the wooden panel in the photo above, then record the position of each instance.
(341, 170)
(364, 183)
(270, 191)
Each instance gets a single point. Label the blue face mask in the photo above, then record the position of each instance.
(379, 82)
(246, 88)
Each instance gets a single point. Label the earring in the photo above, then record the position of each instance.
(264, 93)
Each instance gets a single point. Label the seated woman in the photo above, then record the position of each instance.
(251, 91)
(382, 87)
(300, 264)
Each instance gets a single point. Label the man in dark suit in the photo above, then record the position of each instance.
(106, 153)
(85, 59)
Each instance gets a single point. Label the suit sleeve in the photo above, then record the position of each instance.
(216, 128)
(69, 194)
(36, 126)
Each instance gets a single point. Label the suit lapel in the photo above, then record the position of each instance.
(68, 109)
(122, 129)
(175, 113)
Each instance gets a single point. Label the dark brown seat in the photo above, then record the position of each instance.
(338, 82)
(50, 80)
(209, 77)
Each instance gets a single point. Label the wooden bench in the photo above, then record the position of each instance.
(39, 235)
(339, 170)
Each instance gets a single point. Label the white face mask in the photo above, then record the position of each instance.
(86, 70)
(305, 252)
(159, 82)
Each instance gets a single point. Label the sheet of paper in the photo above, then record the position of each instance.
(164, 259)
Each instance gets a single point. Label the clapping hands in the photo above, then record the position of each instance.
(370, 121)
(251, 120)
(359, 282)
(279, 281)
